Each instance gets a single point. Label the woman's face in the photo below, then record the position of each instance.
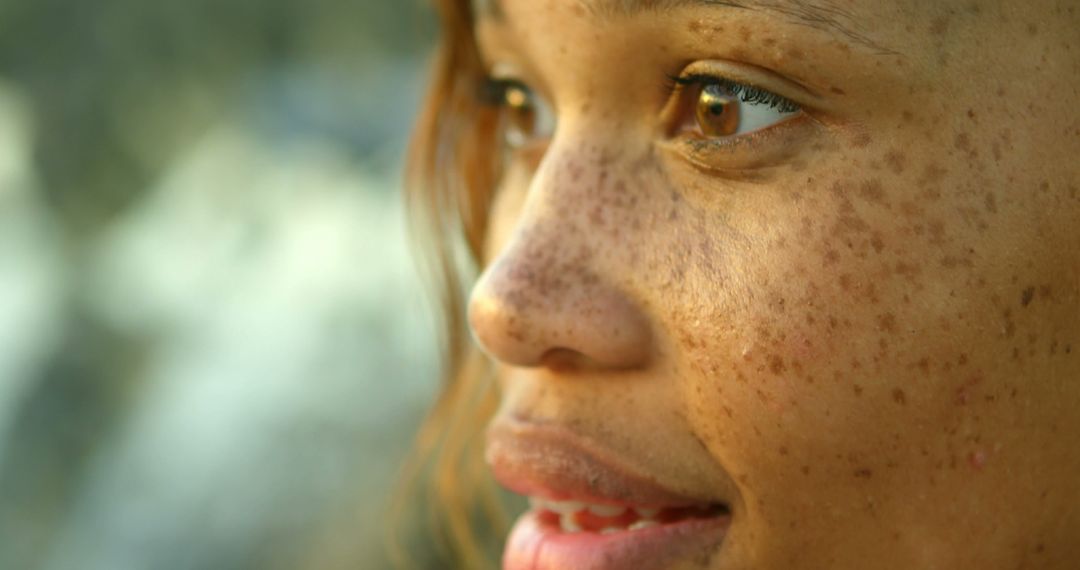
(807, 268)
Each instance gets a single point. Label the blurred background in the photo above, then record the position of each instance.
(213, 344)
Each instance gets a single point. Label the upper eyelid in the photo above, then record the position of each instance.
(757, 77)
(746, 92)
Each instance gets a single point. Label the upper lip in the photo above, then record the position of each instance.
(553, 462)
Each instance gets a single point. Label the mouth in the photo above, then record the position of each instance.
(589, 511)
(570, 517)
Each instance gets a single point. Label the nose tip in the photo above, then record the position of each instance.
(574, 320)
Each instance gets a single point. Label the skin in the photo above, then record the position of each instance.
(861, 330)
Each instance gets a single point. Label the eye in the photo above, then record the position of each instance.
(526, 117)
(717, 108)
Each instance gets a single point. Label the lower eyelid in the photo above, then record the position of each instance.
(770, 146)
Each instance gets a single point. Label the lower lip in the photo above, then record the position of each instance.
(534, 545)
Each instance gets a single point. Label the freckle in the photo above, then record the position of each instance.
(783, 450)
(896, 161)
(877, 242)
(831, 257)
(1032, 29)
(862, 140)
(962, 142)
(858, 390)
(899, 397)
(863, 473)
(990, 201)
(805, 469)
(906, 269)
(887, 322)
(1045, 186)
(872, 191)
(776, 365)
(745, 34)
(1026, 296)
(939, 26)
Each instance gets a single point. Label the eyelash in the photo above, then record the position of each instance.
(493, 91)
(745, 93)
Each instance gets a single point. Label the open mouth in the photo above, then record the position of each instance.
(577, 516)
(565, 535)
(593, 511)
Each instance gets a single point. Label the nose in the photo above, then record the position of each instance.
(526, 311)
(550, 299)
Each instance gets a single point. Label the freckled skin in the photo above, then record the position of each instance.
(873, 356)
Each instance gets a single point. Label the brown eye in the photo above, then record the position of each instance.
(717, 110)
(520, 115)
(525, 117)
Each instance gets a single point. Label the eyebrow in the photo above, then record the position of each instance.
(820, 14)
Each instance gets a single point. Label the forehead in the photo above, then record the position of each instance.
(842, 19)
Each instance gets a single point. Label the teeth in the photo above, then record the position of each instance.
(606, 511)
(647, 513)
(568, 524)
(560, 507)
(643, 525)
(567, 512)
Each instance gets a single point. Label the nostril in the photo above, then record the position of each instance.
(562, 360)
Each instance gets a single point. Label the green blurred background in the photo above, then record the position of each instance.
(213, 345)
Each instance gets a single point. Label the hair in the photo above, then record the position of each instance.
(449, 180)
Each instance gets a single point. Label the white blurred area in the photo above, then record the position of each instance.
(285, 350)
(32, 272)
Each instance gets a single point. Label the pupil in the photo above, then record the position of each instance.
(717, 108)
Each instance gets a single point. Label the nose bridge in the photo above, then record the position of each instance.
(551, 293)
(574, 175)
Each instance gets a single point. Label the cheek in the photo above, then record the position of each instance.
(839, 338)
